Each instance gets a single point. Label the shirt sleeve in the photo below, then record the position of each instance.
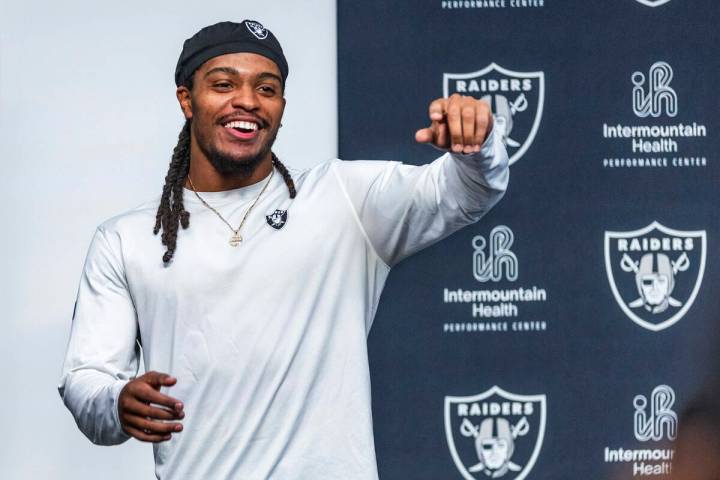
(404, 208)
(102, 354)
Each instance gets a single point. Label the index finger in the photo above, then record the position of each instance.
(437, 109)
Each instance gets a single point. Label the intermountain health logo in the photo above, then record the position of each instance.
(661, 137)
(653, 3)
(493, 260)
(516, 98)
(502, 305)
(653, 96)
(495, 434)
(655, 426)
(655, 418)
(655, 272)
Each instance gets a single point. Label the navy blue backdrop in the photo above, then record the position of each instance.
(560, 336)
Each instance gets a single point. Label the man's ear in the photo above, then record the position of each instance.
(183, 95)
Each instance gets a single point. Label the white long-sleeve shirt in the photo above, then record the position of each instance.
(268, 339)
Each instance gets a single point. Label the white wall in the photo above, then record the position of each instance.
(88, 119)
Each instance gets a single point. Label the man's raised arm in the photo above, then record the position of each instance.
(404, 208)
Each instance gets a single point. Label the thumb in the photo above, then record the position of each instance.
(424, 135)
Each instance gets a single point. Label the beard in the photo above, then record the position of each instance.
(232, 166)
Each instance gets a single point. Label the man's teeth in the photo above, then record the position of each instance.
(244, 125)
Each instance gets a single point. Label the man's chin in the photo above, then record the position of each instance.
(235, 165)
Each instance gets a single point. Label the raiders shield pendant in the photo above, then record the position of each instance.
(235, 240)
(277, 219)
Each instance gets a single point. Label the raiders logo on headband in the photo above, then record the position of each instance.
(277, 219)
(256, 29)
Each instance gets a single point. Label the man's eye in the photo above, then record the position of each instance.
(267, 89)
(223, 85)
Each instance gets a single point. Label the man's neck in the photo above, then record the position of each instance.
(206, 178)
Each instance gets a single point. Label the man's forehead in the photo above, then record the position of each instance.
(240, 63)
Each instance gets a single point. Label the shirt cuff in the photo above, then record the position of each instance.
(114, 398)
(492, 152)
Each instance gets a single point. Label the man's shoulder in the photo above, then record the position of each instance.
(310, 175)
(138, 218)
(316, 170)
(335, 172)
(343, 168)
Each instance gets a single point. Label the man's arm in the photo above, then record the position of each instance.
(103, 354)
(404, 208)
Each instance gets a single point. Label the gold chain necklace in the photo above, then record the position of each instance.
(235, 239)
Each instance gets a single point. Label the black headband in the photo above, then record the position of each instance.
(228, 37)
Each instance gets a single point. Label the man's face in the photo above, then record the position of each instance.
(236, 105)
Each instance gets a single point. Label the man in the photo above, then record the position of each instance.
(255, 319)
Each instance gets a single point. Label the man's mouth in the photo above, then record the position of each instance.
(243, 129)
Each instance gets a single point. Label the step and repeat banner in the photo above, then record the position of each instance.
(562, 335)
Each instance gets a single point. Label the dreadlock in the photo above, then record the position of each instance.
(285, 174)
(171, 211)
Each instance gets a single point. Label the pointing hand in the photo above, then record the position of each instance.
(458, 123)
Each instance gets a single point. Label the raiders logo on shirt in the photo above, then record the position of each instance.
(277, 219)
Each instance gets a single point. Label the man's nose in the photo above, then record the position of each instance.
(246, 98)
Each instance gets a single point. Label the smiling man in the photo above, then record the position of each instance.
(253, 323)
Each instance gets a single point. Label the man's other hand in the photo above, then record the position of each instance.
(145, 413)
(458, 123)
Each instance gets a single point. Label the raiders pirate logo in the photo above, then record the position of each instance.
(495, 434)
(277, 219)
(257, 29)
(655, 273)
(516, 98)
